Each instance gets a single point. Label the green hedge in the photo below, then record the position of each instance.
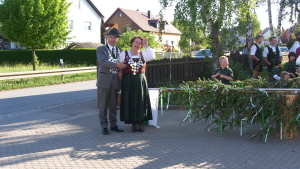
(69, 56)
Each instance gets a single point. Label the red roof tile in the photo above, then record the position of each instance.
(141, 19)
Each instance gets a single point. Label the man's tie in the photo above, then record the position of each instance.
(113, 53)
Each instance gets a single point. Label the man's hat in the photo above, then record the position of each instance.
(114, 32)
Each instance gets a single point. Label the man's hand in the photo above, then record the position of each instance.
(120, 74)
(121, 65)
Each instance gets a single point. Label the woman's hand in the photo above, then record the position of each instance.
(145, 42)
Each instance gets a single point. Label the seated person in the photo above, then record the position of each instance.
(290, 68)
(276, 71)
(224, 73)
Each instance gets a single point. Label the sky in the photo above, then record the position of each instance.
(107, 7)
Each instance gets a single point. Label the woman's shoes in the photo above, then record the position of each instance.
(133, 130)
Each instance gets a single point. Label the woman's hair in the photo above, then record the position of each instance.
(246, 46)
(291, 54)
(133, 39)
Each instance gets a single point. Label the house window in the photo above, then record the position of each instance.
(128, 26)
(88, 26)
(120, 14)
(71, 24)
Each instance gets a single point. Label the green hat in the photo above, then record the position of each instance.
(114, 32)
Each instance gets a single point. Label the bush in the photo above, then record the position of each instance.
(69, 56)
(289, 44)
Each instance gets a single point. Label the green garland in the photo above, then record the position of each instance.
(239, 104)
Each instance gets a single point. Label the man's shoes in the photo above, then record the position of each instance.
(116, 129)
(141, 130)
(105, 131)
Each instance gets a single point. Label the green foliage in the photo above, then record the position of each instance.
(228, 106)
(200, 40)
(289, 44)
(35, 23)
(242, 23)
(213, 18)
(124, 40)
(48, 56)
(297, 30)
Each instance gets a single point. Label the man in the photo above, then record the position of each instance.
(271, 53)
(256, 55)
(108, 82)
(295, 45)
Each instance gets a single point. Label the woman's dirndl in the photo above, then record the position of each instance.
(135, 102)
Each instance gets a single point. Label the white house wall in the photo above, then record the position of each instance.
(168, 38)
(80, 14)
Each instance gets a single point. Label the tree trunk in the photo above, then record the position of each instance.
(33, 58)
(249, 40)
(288, 131)
(215, 29)
(282, 5)
(270, 18)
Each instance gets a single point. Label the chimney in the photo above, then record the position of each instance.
(137, 10)
(149, 14)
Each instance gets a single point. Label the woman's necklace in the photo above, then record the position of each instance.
(135, 66)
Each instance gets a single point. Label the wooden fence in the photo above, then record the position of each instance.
(174, 71)
(164, 71)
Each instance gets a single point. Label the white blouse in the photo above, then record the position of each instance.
(148, 55)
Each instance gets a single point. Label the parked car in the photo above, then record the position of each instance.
(284, 50)
(203, 53)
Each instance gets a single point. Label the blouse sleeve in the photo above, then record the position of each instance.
(148, 54)
(121, 57)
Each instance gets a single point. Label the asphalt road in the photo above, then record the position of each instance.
(20, 101)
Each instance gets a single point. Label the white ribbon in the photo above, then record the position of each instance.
(169, 94)
(256, 114)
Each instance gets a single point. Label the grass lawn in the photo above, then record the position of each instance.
(6, 68)
(44, 81)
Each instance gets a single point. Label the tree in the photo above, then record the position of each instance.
(124, 40)
(35, 23)
(270, 17)
(187, 37)
(210, 16)
(283, 4)
(296, 30)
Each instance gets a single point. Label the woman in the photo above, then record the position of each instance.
(135, 103)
